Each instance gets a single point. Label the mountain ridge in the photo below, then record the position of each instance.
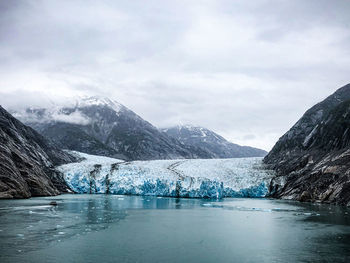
(312, 159)
(105, 127)
(215, 144)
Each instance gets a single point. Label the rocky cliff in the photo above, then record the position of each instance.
(27, 161)
(312, 159)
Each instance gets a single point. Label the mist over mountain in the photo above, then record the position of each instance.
(101, 126)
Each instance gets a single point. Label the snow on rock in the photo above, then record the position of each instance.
(86, 101)
(195, 178)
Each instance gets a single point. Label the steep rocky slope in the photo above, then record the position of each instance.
(211, 142)
(27, 160)
(312, 159)
(101, 126)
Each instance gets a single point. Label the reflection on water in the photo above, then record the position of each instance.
(106, 228)
(33, 224)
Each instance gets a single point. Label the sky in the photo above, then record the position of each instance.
(248, 70)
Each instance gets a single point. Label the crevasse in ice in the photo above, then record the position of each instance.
(196, 178)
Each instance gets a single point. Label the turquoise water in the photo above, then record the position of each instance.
(108, 228)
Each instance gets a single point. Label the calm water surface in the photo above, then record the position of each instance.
(106, 228)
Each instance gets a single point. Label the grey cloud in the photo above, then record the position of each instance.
(246, 69)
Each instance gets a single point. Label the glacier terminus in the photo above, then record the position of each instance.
(191, 178)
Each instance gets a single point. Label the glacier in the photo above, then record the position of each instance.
(191, 178)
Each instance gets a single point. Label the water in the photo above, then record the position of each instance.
(107, 228)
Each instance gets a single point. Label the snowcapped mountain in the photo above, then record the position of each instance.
(102, 126)
(216, 145)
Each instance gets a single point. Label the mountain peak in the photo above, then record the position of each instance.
(86, 101)
(216, 145)
(67, 111)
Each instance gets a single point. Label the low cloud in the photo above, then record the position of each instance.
(52, 113)
(75, 117)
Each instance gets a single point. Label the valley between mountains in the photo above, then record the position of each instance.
(97, 145)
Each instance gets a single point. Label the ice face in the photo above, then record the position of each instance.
(195, 178)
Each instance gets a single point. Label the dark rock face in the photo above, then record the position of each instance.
(103, 127)
(27, 161)
(209, 141)
(75, 137)
(312, 159)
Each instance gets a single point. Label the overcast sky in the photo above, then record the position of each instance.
(245, 69)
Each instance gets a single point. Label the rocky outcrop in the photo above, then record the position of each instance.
(312, 159)
(27, 161)
(211, 142)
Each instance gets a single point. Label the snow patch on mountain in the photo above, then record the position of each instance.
(99, 101)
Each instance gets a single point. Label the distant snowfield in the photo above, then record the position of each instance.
(193, 178)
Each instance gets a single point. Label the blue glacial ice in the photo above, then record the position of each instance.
(195, 178)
